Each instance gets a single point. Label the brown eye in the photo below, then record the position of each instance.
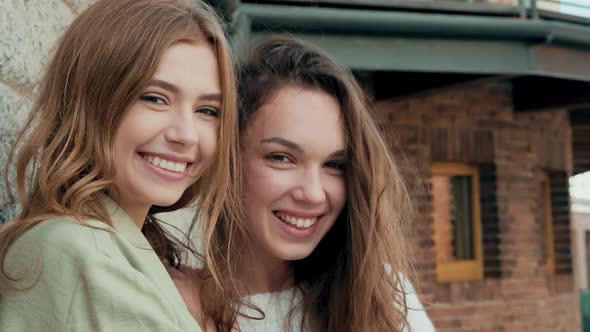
(153, 99)
(279, 157)
(337, 165)
(210, 111)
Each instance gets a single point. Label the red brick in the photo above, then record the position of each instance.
(520, 145)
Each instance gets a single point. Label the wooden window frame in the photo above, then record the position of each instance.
(545, 179)
(468, 269)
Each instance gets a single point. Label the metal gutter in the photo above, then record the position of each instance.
(466, 7)
(346, 21)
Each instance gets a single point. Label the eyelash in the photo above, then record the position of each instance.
(337, 165)
(153, 99)
(280, 158)
(209, 111)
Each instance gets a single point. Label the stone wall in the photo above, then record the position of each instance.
(29, 30)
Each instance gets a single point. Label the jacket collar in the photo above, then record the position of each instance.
(123, 224)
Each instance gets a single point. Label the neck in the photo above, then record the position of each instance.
(263, 273)
(137, 212)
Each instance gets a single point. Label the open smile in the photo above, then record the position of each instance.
(166, 168)
(296, 221)
(169, 165)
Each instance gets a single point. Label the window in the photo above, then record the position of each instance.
(560, 215)
(548, 211)
(457, 222)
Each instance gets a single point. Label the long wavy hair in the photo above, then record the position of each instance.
(345, 282)
(63, 157)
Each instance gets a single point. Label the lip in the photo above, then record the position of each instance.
(165, 174)
(170, 157)
(295, 232)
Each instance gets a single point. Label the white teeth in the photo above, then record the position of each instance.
(165, 164)
(297, 222)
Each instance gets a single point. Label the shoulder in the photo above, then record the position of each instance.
(403, 282)
(182, 274)
(76, 278)
(52, 246)
(63, 236)
(417, 317)
(188, 283)
(42, 272)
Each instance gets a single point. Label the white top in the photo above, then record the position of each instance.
(276, 307)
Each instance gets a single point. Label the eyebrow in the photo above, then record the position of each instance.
(164, 85)
(211, 97)
(283, 142)
(294, 146)
(337, 154)
(174, 89)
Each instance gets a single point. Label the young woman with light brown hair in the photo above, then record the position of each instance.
(326, 209)
(135, 115)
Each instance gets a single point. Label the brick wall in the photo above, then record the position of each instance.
(474, 123)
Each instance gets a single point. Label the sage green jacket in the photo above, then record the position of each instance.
(72, 277)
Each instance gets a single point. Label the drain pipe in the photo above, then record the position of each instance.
(534, 10)
(522, 9)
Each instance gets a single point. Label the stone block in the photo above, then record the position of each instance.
(28, 33)
(80, 5)
(13, 112)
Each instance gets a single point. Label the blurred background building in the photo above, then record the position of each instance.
(489, 100)
(580, 203)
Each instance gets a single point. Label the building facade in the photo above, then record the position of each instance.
(487, 99)
(522, 282)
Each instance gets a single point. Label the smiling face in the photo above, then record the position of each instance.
(167, 137)
(294, 184)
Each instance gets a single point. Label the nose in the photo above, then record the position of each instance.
(310, 189)
(183, 128)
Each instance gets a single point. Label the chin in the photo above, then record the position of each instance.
(168, 200)
(295, 255)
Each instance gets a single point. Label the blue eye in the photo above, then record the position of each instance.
(208, 111)
(337, 165)
(153, 99)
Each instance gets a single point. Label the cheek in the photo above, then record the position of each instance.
(207, 132)
(137, 127)
(338, 194)
(264, 185)
(125, 137)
